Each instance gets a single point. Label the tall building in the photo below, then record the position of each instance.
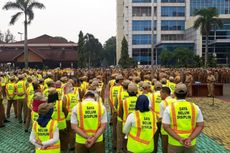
(172, 21)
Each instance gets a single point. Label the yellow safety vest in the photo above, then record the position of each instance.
(34, 116)
(46, 93)
(30, 95)
(44, 134)
(20, 89)
(183, 117)
(129, 106)
(167, 102)
(60, 93)
(59, 115)
(172, 87)
(10, 88)
(121, 96)
(71, 101)
(156, 100)
(115, 90)
(89, 114)
(140, 138)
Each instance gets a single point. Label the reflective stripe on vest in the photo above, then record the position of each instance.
(139, 129)
(183, 115)
(51, 134)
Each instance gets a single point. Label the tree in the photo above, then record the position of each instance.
(206, 21)
(25, 8)
(109, 51)
(125, 61)
(7, 37)
(212, 61)
(166, 57)
(92, 50)
(81, 54)
(183, 57)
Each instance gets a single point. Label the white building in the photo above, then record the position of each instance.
(173, 22)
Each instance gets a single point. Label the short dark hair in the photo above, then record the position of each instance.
(181, 96)
(90, 94)
(166, 90)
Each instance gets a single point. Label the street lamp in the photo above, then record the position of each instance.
(20, 33)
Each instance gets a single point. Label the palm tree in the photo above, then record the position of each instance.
(206, 21)
(25, 8)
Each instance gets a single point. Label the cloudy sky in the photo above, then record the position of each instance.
(66, 18)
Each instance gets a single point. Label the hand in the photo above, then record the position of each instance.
(181, 141)
(187, 143)
(90, 141)
(39, 142)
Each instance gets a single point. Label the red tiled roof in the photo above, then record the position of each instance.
(45, 39)
(11, 54)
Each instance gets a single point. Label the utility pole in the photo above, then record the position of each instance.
(152, 50)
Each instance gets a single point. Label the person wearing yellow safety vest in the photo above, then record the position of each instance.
(69, 101)
(59, 89)
(140, 127)
(146, 90)
(128, 106)
(183, 121)
(20, 97)
(10, 95)
(88, 120)
(49, 84)
(84, 84)
(59, 114)
(45, 133)
(113, 96)
(29, 99)
(164, 82)
(155, 106)
(121, 96)
(166, 101)
(171, 85)
(2, 110)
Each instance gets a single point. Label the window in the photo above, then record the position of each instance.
(172, 25)
(142, 55)
(142, 1)
(172, 11)
(172, 1)
(142, 11)
(142, 39)
(223, 6)
(172, 37)
(143, 25)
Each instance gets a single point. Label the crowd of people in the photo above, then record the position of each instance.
(65, 109)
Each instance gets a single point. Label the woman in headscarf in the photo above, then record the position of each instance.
(45, 132)
(140, 127)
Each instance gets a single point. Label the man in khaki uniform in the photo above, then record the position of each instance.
(189, 82)
(211, 83)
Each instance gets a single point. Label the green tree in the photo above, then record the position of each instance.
(81, 54)
(93, 50)
(109, 51)
(125, 61)
(25, 8)
(212, 61)
(183, 57)
(166, 57)
(206, 21)
(197, 61)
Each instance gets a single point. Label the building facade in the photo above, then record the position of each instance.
(172, 21)
(43, 51)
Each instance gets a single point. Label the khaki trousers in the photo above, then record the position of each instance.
(98, 147)
(9, 104)
(21, 105)
(120, 138)
(2, 113)
(181, 149)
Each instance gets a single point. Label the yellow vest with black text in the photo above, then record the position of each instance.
(183, 117)
(59, 115)
(129, 105)
(89, 114)
(156, 100)
(121, 96)
(140, 138)
(44, 134)
(71, 101)
(167, 102)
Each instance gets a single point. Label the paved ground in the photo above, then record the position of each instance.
(215, 139)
